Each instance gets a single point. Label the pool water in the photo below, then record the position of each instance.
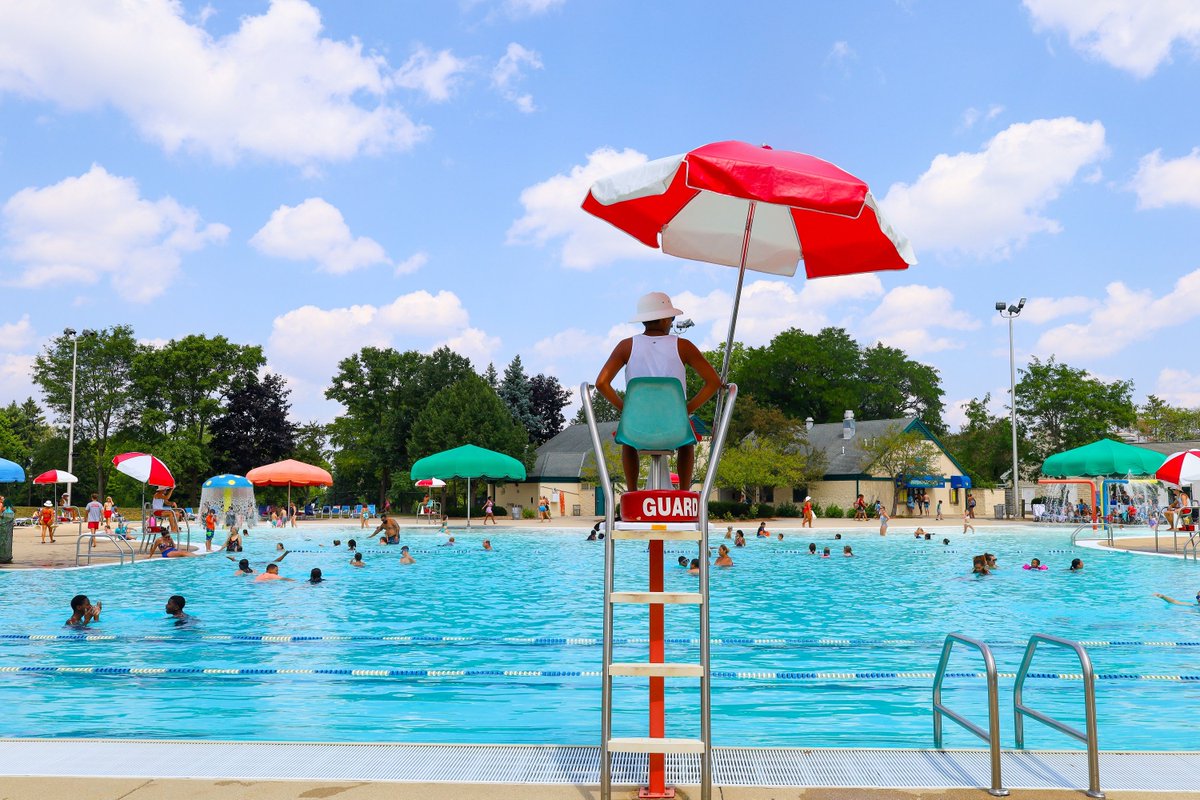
(535, 604)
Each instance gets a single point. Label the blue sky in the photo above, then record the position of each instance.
(317, 176)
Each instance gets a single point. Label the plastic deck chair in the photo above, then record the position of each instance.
(655, 415)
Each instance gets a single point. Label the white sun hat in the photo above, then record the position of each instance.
(655, 305)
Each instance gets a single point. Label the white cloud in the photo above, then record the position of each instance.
(529, 8)
(435, 74)
(316, 231)
(1125, 316)
(16, 335)
(1040, 310)
(973, 115)
(1179, 387)
(841, 55)
(412, 264)
(510, 71)
(990, 202)
(559, 354)
(770, 306)
(84, 228)
(475, 344)
(15, 382)
(1176, 181)
(552, 212)
(908, 317)
(1134, 35)
(275, 88)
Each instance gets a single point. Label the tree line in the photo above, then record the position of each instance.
(206, 405)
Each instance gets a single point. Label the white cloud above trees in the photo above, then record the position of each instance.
(315, 230)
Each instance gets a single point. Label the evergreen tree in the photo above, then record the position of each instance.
(548, 398)
(517, 395)
(491, 377)
(253, 428)
(467, 412)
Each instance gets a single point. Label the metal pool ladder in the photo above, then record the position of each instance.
(123, 548)
(1088, 736)
(657, 746)
(992, 735)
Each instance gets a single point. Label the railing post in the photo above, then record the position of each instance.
(992, 736)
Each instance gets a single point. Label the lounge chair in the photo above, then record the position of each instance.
(357, 512)
(326, 511)
(371, 510)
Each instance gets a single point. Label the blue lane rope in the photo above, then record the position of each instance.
(551, 641)
(540, 673)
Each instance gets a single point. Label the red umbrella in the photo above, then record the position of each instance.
(56, 476)
(1179, 468)
(145, 468)
(289, 473)
(752, 208)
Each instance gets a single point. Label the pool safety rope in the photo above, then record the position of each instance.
(546, 641)
(540, 673)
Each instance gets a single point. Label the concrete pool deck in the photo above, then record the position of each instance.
(83, 769)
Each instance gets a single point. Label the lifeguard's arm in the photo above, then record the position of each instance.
(691, 355)
(1171, 600)
(618, 359)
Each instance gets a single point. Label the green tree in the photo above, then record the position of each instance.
(984, 443)
(490, 377)
(467, 412)
(547, 399)
(106, 398)
(897, 453)
(1060, 407)
(804, 375)
(517, 395)
(1161, 422)
(892, 385)
(253, 429)
(27, 423)
(604, 410)
(759, 461)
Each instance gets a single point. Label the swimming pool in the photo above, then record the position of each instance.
(535, 605)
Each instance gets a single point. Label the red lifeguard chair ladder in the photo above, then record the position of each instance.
(655, 409)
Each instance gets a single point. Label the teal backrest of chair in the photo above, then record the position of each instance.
(655, 415)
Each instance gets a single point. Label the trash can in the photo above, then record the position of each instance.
(998, 509)
(516, 512)
(6, 536)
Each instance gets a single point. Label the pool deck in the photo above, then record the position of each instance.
(116, 769)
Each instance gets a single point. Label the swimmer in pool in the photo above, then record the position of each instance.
(1173, 601)
(728, 531)
(979, 566)
(83, 613)
(683, 562)
(272, 574)
(351, 545)
(487, 545)
(780, 537)
(357, 561)
(919, 532)
(847, 552)
(244, 568)
(448, 543)
(405, 557)
(694, 567)
(315, 576)
(1035, 564)
(723, 558)
(739, 540)
(175, 604)
(1076, 565)
(391, 528)
(825, 553)
(812, 548)
(762, 532)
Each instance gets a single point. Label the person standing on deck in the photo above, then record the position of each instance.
(657, 353)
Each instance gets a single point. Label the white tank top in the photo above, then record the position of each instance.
(655, 357)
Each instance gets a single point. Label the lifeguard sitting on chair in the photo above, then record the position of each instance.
(652, 416)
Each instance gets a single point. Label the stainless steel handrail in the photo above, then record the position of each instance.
(992, 734)
(585, 395)
(123, 547)
(716, 447)
(1088, 736)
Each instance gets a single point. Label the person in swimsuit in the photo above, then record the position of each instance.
(847, 552)
(883, 522)
(694, 567)
(210, 528)
(1171, 600)
(315, 576)
(83, 613)
(762, 532)
(175, 604)
(405, 558)
(683, 562)
(110, 508)
(272, 574)
(233, 543)
(825, 553)
(357, 561)
(244, 567)
(166, 547)
(391, 527)
(1076, 565)
(657, 353)
(487, 545)
(739, 539)
(489, 505)
(46, 521)
(364, 517)
(723, 557)
(812, 548)
(967, 523)
(162, 506)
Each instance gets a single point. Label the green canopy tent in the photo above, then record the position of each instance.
(1105, 457)
(468, 462)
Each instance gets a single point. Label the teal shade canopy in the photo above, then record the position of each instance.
(1105, 457)
(468, 461)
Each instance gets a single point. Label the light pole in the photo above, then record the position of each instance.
(1010, 312)
(71, 428)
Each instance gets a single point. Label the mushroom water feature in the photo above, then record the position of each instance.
(232, 498)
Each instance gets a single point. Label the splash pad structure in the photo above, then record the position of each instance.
(232, 498)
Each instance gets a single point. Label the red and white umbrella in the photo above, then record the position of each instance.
(431, 483)
(56, 476)
(752, 208)
(1180, 468)
(145, 468)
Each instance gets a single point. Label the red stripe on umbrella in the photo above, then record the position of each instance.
(56, 476)
(145, 468)
(1180, 468)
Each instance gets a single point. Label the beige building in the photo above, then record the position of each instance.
(557, 474)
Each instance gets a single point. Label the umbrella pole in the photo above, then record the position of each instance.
(468, 502)
(737, 300)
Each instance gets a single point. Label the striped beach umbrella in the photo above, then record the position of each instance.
(1180, 468)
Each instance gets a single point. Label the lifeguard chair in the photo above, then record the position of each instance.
(654, 421)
